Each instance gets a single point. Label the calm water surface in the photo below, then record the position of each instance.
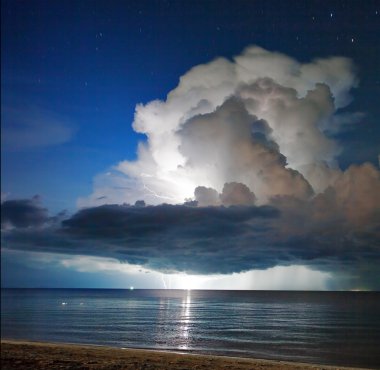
(341, 328)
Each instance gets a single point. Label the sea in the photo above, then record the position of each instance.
(336, 328)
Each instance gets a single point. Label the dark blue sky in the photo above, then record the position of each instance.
(73, 71)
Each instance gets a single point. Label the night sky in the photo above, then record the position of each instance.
(190, 144)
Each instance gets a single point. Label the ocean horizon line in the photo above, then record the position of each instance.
(199, 289)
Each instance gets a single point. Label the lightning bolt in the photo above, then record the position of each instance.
(163, 280)
(152, 191)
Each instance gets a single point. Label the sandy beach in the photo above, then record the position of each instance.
(36, 355)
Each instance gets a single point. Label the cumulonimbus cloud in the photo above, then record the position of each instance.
(239, 172)
(261, 119)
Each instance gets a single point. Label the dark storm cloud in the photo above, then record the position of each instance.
(165, 237)
(172, 238)
(23, 213)
(136, 221)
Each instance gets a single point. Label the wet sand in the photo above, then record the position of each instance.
(35, 355)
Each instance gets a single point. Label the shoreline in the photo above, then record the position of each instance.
(24, 354)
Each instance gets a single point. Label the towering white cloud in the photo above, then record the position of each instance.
(259, 120)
